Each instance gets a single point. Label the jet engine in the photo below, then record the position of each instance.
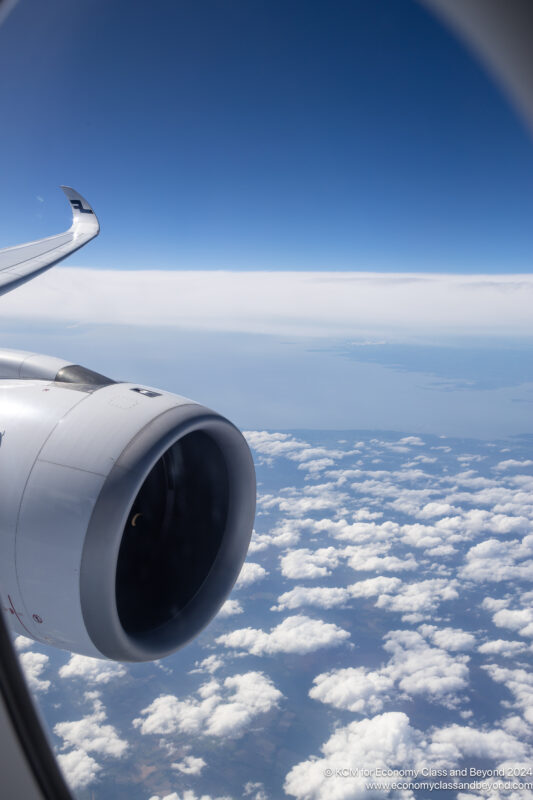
(125, 511)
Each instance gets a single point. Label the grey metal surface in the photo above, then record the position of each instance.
(19, 364)
(72, 465)
(22, 263)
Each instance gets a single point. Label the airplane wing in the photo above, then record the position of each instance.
(25, 261)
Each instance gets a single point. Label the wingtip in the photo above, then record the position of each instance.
(82, 213)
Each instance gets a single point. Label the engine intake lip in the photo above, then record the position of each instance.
(98, 573)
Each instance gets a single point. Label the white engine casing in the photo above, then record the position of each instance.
(73, 460)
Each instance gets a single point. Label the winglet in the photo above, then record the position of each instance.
(25, 261)
(83, 217)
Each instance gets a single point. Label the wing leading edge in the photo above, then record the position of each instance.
(25, 261)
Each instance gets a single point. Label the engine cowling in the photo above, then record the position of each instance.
(125, 511)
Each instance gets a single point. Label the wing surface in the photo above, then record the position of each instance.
(25, 261)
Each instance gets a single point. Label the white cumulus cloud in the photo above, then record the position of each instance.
(385, 741)
(79, 768)
(297, 634)
(449, 638)
(353, 689)
(250, 573)
(520, 620)
(92, 670)
(416, 601)
(512, 463)
(23, 642)
(190, 765)
(502, 647)
(419, 669)
(92, 735)
(209, 664)
(495, 560)
(220, 708)
(33, 665)
(230, 608)
(320, 596)
(305, 563)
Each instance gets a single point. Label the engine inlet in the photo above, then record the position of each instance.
(173, 534)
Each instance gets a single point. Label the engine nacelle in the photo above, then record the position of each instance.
(125, 511)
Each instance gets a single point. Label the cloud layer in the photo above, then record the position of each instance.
(387, 594)
(306, 303)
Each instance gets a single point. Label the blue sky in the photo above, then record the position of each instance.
(272, 135)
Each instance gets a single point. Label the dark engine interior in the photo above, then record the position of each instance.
(173, 534)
